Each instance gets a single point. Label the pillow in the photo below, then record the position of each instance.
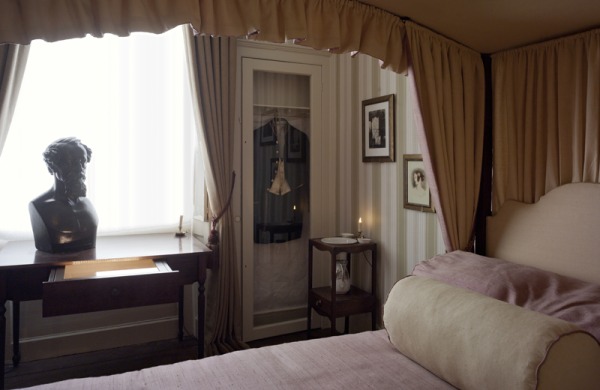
(555, 295)
(477, 342)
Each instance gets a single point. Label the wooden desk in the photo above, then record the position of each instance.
(25, 274)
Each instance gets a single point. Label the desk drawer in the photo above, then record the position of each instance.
(104, 285)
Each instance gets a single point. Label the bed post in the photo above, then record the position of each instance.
(484, 206)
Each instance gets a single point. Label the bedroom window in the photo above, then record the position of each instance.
(128, 99)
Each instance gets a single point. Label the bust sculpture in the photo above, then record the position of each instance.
(63, 219)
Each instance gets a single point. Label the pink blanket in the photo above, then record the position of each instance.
(364, 360)
(545, 292)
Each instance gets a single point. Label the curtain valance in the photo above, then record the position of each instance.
(22, 21)
(337, 25)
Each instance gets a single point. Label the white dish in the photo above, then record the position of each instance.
(347, 235)
(364, 240)
(338, 240)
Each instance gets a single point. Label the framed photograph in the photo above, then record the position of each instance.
(378, 129)
(295, 146)
(267, 135)
(416, 187)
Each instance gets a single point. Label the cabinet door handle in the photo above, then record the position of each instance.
(318, 302)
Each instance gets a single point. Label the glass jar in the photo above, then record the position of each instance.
(342, 277)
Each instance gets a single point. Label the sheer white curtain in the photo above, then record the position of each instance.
(128, 100)
(12, 65)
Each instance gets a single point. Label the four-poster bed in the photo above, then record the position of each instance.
(426, 324)
(449, 325)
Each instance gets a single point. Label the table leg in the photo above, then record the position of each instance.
(2, 331)
(332, 315)
(180, 314)
(375, 311)
(16, 321)
(203, 264)
(310, 272)
(201, 314)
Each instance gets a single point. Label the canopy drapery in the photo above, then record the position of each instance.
(546, 117)
(447, 82)
(337, 25)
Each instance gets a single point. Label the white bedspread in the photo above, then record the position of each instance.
(357, 361)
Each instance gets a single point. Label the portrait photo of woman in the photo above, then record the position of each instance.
(417, 195)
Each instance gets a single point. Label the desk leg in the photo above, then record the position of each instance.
(180, 314)
(16, 320)
(201, 315)
(2, 327)
(202, 266)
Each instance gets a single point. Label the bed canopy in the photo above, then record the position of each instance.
(541, 101)
(339, 26)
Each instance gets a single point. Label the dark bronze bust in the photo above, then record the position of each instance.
(63, 219)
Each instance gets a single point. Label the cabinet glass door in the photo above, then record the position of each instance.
(277, 124)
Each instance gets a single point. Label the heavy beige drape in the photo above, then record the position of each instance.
(212, 63)
(12, 67)
(337, 25)
(447, 81)
(546, 117)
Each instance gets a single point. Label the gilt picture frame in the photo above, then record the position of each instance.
(417, 195)
(379, 129)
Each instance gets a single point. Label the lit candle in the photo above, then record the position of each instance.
(359, 225)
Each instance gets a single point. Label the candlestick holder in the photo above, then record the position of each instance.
(180, 232)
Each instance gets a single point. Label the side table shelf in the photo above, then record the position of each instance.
(326, 302)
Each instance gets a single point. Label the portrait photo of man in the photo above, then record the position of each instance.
(377, 136)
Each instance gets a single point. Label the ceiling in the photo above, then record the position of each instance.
(489, 26)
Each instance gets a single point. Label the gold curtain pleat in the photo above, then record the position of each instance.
(337, 25)
(447, 81)
(546, 117)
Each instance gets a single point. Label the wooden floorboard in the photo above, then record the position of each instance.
(97, 363)
(117, 360)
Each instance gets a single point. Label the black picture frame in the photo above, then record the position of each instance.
(267, 135)
(379, 129)
(295, 146)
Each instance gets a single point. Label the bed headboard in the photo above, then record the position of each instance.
(559, 233)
